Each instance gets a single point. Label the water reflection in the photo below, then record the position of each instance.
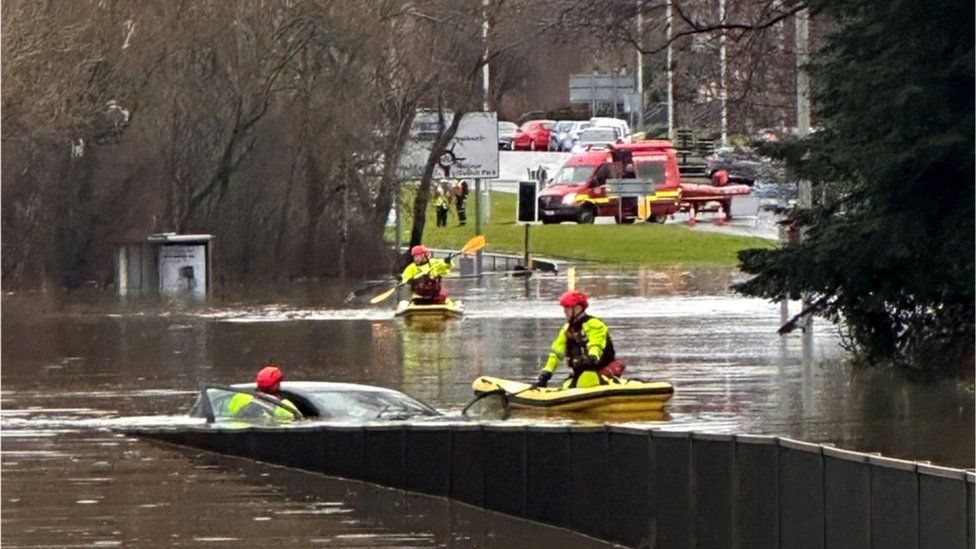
(69, 365)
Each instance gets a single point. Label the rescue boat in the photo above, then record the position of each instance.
(435, 311)
(618, 395)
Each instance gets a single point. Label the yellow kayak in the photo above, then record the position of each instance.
(448, 309)
(624, 395)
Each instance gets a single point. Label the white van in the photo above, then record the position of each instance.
(623, 128)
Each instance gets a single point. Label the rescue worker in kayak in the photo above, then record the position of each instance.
(424, 276)
(268, 381)
(584, 341)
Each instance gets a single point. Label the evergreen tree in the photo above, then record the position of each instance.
(889, 248)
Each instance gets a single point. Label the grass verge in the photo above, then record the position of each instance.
(648, 244)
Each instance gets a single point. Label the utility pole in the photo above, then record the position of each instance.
(485, 95)
(640, 67)
(722, 95)
(802, 130)
(667, 28)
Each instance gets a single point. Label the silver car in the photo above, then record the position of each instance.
(506, 132)
(597, 138)
(565, 134)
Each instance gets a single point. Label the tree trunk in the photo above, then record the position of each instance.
(444, 137)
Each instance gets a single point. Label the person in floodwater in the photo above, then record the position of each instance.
(584, 341)
(244, 405)
(424, 276)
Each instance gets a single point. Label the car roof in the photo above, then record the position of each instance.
(319, 386)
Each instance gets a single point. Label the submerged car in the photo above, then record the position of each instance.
(312, 400)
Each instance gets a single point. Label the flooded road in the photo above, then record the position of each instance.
(73, 367)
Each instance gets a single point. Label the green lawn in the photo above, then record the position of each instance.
(639, 244)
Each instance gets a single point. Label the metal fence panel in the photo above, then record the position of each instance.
(847, 499)
(384, 455)
(467, 465)
(629, 480)
(671, 520)
(756, 499)
(801, 499)
(547, 475)
(428, 460)
(711, 490)
(894, 504)
(298, 448)
(971, 509)
(505, 469)
(589, 465)
(941, 508)
(345, 451)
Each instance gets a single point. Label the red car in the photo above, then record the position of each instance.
(533, 135)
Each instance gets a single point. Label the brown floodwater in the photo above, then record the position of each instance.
(74, 367)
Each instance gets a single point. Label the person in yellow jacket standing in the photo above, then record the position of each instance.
(268, 381)
(584, 341)
(424, 276)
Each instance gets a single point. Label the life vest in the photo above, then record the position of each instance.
(577, 344)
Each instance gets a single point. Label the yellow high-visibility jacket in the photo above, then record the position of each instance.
(434, 268)
(593, 336)
(238, 405)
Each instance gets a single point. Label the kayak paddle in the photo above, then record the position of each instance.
(470, 247)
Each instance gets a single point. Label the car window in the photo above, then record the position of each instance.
(572, 175)
(546, 125)
(598, 135)
(368, 405)
(225, 403)
(563, 126)
(506, 127)
(653, 171)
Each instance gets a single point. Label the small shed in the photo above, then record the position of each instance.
(166, 264)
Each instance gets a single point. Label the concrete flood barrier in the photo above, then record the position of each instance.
(632, 485)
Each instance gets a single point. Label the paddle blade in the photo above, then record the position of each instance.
(383, 295)
(473, 245)
(368, 287)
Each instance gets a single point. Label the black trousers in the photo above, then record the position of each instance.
(462, 215)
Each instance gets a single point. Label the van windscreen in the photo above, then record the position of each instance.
(572, 175)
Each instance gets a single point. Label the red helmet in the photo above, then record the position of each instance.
(573, 298)
(419, 249)
(269, 377)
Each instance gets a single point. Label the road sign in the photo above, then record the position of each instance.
(472, 154)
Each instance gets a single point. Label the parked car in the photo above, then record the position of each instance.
(533, 136)
(506, 133)
(621, 125)
(597, 137)
(566, 133)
